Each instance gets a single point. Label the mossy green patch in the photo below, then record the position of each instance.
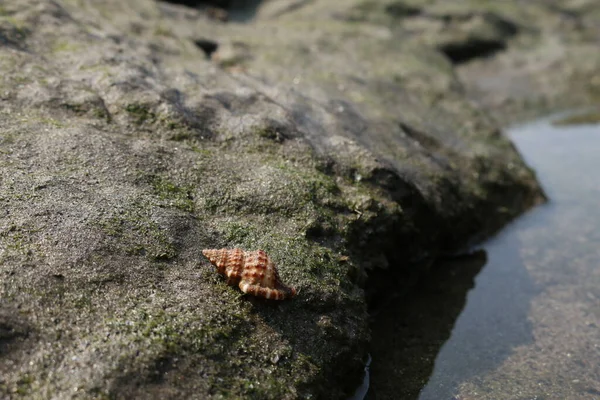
(270, 133)
(75, 108)
(52, 121)
(174, 195)
(181, 133)
(165, 31)
(316, 263)
(24, 384)
(169, 331)
(18, 30)
(141, 113)
(64, 46)
(133, 232)
(18, 242)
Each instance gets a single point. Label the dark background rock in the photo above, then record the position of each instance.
(338, 137)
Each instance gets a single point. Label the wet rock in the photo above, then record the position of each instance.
(134, 135)
(13, 331)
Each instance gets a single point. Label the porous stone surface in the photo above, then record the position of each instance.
(337, 136)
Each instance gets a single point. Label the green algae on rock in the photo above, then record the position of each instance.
(348, 153)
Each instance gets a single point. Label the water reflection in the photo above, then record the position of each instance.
(243, 10)
(408, 336)
(494, 321)
(530, 325)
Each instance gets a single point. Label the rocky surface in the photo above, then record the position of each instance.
(337, 136)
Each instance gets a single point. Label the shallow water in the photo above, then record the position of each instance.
(519, 319)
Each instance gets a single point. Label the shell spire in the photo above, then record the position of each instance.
(252, 271)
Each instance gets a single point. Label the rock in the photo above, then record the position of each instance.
(135, 134)
(551, 65)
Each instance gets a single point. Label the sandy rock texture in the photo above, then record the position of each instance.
(353, 141)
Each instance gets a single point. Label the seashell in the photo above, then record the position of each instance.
(252, 271)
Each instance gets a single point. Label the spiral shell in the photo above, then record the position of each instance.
(252, 271)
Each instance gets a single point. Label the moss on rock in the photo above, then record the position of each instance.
(342, 145)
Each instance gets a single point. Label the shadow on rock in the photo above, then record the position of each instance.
(495, 319)
(224, 10)
(422, 349)
(409, 333)
(13, 331)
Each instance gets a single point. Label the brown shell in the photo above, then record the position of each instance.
(252, 271)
